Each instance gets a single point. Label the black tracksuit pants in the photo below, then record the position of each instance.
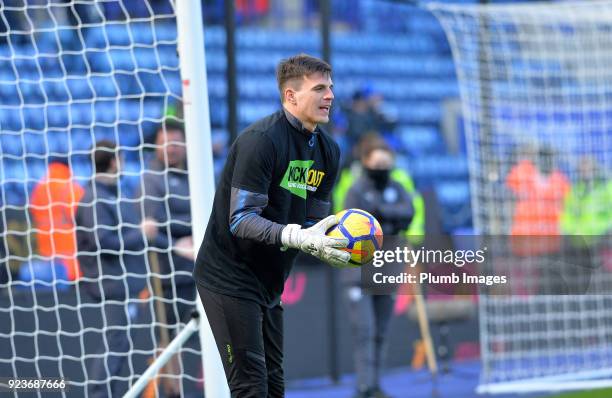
(249, 337)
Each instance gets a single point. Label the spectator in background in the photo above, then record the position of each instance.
(166, 200)
(365, 116)
(416, 230)
(586, 223)
(53, 205)
(540, 190)
(112, 243)
(387, 200)
(587, 210)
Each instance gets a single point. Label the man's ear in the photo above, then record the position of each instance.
(290, 95)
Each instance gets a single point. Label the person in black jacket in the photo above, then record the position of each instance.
(370, 315)
(271, 202)
(111, 241)
(166, 200)
(165, 196)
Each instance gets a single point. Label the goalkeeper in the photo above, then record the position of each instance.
(272, 201)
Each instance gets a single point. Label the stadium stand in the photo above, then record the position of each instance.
(413, 70)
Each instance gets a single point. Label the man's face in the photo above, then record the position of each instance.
(114, 167)
(171, 146)
(312, 99)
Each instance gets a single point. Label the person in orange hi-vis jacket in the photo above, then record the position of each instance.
(53, 205)
(540, 190)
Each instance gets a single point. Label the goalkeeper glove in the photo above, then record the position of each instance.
(314, 242)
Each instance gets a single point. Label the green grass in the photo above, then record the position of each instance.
(603, 393)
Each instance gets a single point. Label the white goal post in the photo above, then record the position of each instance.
(71, 74)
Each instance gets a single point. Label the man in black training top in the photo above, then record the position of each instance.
(273, 198)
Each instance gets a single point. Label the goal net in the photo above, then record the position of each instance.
(84, 295)
(536, 90)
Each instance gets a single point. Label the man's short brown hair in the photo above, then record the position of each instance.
(105, 151)
(297, 67)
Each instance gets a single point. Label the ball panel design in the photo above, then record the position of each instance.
(363, 232)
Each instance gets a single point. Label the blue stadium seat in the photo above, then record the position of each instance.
(219, 116)
(152, 82)
(81, 114)
(14, 169)
(51, 67)
(57, 140)
(453, 193)
(34, 118)
(454, 200)
(216, 61)
(25, 63)
(123, 60)
(117, 34)
(146, 58)
(76, 64)
(36, 168)
(32, 92)
(419, 140)
(81, 140)
(7, 72)
(153, 109)
(11, 145)
(15, 192)
(104, 86)
(99, 61)
(10, 120)
(9, 94)
(142, 32)
(105, 112)
(165, 31)
(35, 143)
(127, 84)
(129, 135)
(168, 57)
(217, 86)
(95, 37)
(47, 42)
(104, 133)
(79, 88)
(258, 87)
(129, 111)
(420, 112)
(429, 169)
(173, 81)
(258, 61)
(56, 90)
(82, 171)
(69, 38)
(57, 116)
(249, 111)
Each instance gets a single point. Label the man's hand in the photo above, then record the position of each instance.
(314, 242)
(184, 247)
(149, 228)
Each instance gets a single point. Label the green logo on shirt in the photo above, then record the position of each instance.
(299, 178)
